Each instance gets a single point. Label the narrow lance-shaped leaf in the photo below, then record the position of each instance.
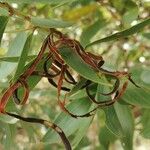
(112, 122)
(130, 15)
(81, 131)
(7, 119)
(15, 48)
(122, 34)
(3, 23)
(126, 120)
(50, 23)
(145, 120)
(79, 106)
(16, 58)
(90, 31)
(38, 1)
(75, 62)
(23, 57)
(137, 96)
(77, 87)
(74, 15)
(10, 136)
(106, 137)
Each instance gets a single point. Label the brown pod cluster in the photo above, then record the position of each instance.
(61, 71)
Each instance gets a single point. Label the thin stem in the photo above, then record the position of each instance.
(46, 124)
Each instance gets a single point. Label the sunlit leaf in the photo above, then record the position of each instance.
(38, 1)
(83, 143)
(77, 13)
(23, 57)
(3, 23)
(77, 87)
(90, 31)
(126, 120)
(15, 48)
(8, 119)
(112, 121)
(15, 58)
(50, 23)
(130, 14)
(134, 29)
(145, 76)
(138, 96)
(146, 123)
(10, 131)
(106, 137)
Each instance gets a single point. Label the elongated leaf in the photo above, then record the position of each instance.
(116, 121)
(126, 120)
(130, 13)
(15, 48)
(137, 96)
(145, 75)
(38, 1)
(10, 131)
(122, 34)
(71, 126)
(3, 23)
(74, 15)
(16, 58)
(81, 132)
(112, 121)
(23, 57)
(50, 23)
(75, 62)
(33, 80)
(130, 16)
(8, 119)
(106, 137)
(77, 87)
(29, 128)
(83, 143)
(89, 32)
(146, 123)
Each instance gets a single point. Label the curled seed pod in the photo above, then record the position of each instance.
(52, 82)
(16, 98)
(48, 75)
(131, 80)
(115, 88)
(25, 95)
(70, 77)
